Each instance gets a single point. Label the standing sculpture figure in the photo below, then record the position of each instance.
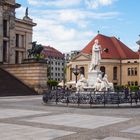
(26, 12)
(96, 56)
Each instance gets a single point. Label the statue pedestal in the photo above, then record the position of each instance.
(92, 77)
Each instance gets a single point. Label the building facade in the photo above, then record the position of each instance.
(120, 63)
(55, 62)
(15, 34)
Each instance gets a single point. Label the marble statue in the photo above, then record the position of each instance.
(96, 56)
(81, 83)
(107, 84)
(99, 84)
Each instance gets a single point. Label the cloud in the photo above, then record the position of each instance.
(64, 28)
(56, 3)
(48, 32)
(97, 3)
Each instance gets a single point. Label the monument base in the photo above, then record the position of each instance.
(92, 77)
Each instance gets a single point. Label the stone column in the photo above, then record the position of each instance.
(11, 40)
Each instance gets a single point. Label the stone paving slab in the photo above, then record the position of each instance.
(116, 138)
(135, 130)
(8, 113)
(21, 132)
(77, 120)
(21, 98)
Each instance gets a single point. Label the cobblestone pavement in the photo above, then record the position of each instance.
(27, 118)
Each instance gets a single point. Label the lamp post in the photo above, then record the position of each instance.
(76, 71)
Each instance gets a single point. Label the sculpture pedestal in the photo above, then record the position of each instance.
(92, 77)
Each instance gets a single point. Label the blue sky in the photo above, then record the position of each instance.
(71, 24)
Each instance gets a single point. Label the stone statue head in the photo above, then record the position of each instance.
(96, 41)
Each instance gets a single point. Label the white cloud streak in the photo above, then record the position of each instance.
(97, 3)
(54, 25)
(56, 3)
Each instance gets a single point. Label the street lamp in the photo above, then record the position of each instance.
(76, 71)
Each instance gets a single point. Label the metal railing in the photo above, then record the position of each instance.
(91, 98)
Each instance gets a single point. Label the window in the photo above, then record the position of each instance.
(136, 83)
(129, 71)
(17, 40)
(132, 83)
(135, 62)
(82, 70)
(132, 71)
(58, 74)
(4, 51)
(55, 74)
(55, 63)
(55, 68)
(135, 71)
(22, 41)
(114, 73)
(5, 28)
(17, 57)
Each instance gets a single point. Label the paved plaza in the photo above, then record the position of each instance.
(27, 118)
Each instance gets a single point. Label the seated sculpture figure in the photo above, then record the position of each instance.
(107, 84)
(81, 83)
(99, 84)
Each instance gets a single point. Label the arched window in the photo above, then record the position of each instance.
(114, 73)
(132, 83)
(136, 83)
(82, 70)
(129, 71)
(132, 71)
(102, 69)
(135, 71)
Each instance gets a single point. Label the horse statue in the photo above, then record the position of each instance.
(35, 50)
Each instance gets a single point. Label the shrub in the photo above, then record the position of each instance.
(52, 83)
(134, 88)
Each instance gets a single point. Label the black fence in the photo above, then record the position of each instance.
(92, 98)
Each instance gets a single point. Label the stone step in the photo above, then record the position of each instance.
(11, 86)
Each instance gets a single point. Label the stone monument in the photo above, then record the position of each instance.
(94, 70)
(95, 80)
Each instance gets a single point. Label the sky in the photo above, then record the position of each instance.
(71, 24)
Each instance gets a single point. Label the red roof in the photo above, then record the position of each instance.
(52, 52)
(116, 49)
